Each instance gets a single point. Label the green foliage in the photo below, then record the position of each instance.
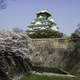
(75, 35)
(46, 34)
(44, 77)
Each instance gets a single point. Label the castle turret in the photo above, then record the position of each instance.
(43, 20)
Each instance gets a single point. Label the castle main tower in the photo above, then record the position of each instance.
(43, 21)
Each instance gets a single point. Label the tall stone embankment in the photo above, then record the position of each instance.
(61, 53)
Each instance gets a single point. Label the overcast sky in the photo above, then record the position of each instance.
(20, 13)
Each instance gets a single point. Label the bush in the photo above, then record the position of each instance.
(75, 36)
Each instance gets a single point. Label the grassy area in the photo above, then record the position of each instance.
(42, 77)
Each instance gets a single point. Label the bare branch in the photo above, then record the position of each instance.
(3, 4)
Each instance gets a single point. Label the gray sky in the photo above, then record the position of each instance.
(20, 13)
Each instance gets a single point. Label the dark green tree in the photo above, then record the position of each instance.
(76, 33)
(75, 36)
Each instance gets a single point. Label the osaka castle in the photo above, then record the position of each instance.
(43, 21)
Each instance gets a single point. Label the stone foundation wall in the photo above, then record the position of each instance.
(61, 53)
(49, 52)
(55, 42)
